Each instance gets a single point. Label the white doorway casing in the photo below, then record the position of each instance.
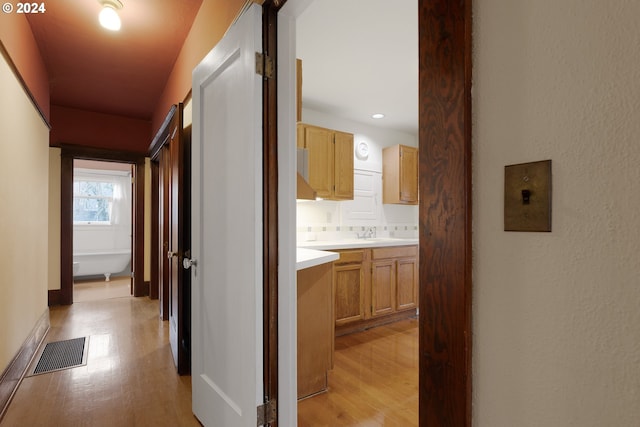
(287, 290)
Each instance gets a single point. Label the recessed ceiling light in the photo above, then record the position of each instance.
(378, 116)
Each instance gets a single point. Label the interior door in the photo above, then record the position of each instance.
(227, 322)
(179, 239)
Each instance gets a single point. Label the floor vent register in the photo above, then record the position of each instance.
(60, 355)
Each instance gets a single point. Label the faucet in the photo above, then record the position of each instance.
(369, 233)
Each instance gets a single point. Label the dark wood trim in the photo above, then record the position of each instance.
(187, 98)
(15, 371)
(160, 168)
(70, 153)
(66, 228)
(147, 285)
(154, 251)
(54, 297)
(101, 154)
(140, 288)
(276, 4)
(270, 205)
(162, 135)
(5, 54)
(163, 230)
(445, 212)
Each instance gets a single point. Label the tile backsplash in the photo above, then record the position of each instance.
(333, 220)
(312, 233)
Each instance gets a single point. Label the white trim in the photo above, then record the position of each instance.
(287, 289)
(92, 173)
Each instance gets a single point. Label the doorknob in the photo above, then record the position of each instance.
(188, 262)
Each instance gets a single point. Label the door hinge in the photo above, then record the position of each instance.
(264, 65)
(267, 413)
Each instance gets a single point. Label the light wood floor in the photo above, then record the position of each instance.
(374, 381)
(130, 378)
(94, 290)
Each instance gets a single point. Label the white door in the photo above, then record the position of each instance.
(227, 285)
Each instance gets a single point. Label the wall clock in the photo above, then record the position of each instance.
(362, 150)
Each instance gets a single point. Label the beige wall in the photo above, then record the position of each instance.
(556, 315)
(24, 187)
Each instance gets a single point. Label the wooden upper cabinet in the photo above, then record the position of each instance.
(343, 169)
(319, 145)
(400, 175)
(330, 155)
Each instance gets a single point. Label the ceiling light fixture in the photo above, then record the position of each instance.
(108, 17)
(378, 116)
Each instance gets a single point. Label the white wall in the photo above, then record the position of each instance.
(556, 315)
(24, 205)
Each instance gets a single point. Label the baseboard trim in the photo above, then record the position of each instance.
(55, 297)
(14, 373)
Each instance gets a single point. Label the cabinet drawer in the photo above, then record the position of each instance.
(394, 252)
(350, 257)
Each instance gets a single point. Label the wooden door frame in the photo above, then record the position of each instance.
(270, 207)
(445, 210)
(68, 155)
(159, 269)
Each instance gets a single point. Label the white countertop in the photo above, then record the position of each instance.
(306, 258)
(356, 243)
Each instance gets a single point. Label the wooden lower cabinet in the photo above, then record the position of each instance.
(349, 286)
(383, 278)
(406, 283)
(374, 286)
(315, 329)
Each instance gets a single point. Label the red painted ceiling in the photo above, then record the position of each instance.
(124, 72)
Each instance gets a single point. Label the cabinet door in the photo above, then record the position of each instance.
(319, 145)
(343, 172)
(383, 295)
(348, 293)
(407, 284)
(408, 174)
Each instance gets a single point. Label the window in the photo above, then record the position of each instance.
(92, 201)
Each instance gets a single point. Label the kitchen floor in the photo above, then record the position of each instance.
(374, 381)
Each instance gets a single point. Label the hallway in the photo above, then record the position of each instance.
(129, 379)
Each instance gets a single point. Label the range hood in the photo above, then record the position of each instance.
(304, 190)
